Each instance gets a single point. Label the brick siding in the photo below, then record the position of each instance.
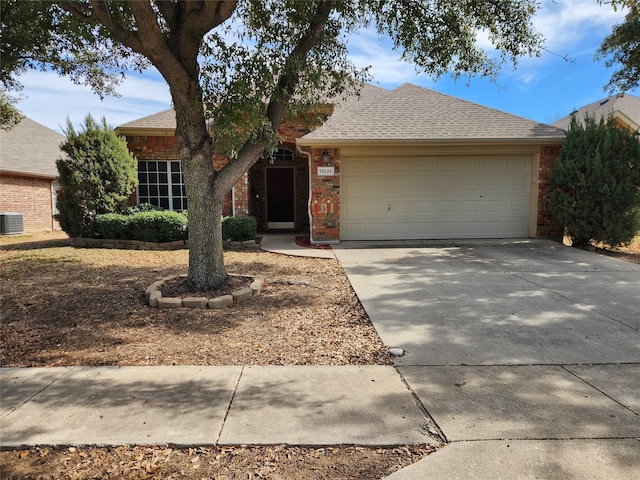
(30, 196)
(547, 226)
(325, 193)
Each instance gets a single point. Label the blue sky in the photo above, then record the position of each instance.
(542, 89)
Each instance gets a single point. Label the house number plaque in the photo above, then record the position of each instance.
(325, 171)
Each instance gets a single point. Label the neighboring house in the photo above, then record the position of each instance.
(408, 163)
(625, 110)
(28, 154)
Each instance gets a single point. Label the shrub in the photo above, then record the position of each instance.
(141, 207)
(96, 176)
(158, 226)
(112, 226)
(239, 229)
(595, 184)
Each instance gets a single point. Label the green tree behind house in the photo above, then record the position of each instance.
(97, 176)
(596, 183)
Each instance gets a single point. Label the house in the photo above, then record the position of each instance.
(28, 154)
(624, 108)
(408, 163)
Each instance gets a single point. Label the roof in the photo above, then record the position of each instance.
(411, 113)
(164, 121)
(31, 149)
(624, 107)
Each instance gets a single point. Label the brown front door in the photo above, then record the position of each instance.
(280, 198)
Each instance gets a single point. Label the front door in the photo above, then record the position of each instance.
(280, 198)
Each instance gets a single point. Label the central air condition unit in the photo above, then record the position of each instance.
(11, 223)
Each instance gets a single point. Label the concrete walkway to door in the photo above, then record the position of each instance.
(525, 353)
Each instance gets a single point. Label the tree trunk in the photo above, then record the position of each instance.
(205, 203)
(205, 195)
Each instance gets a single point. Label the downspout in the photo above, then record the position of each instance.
(233, 200)
(308, 155)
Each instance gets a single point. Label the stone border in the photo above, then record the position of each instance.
(154, 297)
(140, 245)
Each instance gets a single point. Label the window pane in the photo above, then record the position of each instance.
(164, 203)
(184, 204)
(162, 178)
(153, 178)
(177, 204)
(143, 190)
(142, 166)
(142, 177)
(164, 190)
(176, 191)
(162, 166)
(176, 178)
(175, 166)
(152, 166)
(153, 190)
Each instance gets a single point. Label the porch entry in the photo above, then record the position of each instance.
(280, 198)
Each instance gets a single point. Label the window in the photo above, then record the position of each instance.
(161, 183)
(282, 155)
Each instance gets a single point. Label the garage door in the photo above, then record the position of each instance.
(435, 197)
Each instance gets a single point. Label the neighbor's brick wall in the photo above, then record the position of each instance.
(547, 225)
(325, 192)
(30, 196)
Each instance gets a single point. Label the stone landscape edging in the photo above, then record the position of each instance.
(140, 245)
(154, 298)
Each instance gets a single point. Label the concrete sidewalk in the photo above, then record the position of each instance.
(190, 406)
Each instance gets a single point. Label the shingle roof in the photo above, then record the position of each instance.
(626, 107)
(413, 113)
(30, 148)
(165, 120)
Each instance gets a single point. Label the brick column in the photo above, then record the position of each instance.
(325, 197)
(547, 226)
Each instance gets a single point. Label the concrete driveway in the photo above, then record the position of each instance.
(497, 302)
(526, 354)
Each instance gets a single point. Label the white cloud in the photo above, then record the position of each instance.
(567, 23)
(49, 99)
(366, 49)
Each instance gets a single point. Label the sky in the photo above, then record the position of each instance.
(543, 89)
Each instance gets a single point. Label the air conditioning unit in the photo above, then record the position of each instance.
(11, 223)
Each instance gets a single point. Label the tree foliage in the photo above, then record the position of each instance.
(10, 116)
(596, 183)
(247, 64)
(97, 175)
(622, 49)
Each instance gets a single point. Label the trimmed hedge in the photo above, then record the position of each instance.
(238, 229)
(155, 226)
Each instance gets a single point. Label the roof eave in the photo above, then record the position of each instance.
(152, 132)
(550, 141)
(28, 174)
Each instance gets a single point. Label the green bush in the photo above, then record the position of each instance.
(156, 226)
(96, 176)
(112, 226)
(141, 207)
(159, 226)
(595, 183)
(239, 229)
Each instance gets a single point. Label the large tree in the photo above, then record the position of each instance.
(246, 64)
(622, 49)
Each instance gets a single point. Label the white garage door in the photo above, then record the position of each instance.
(383, 198)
